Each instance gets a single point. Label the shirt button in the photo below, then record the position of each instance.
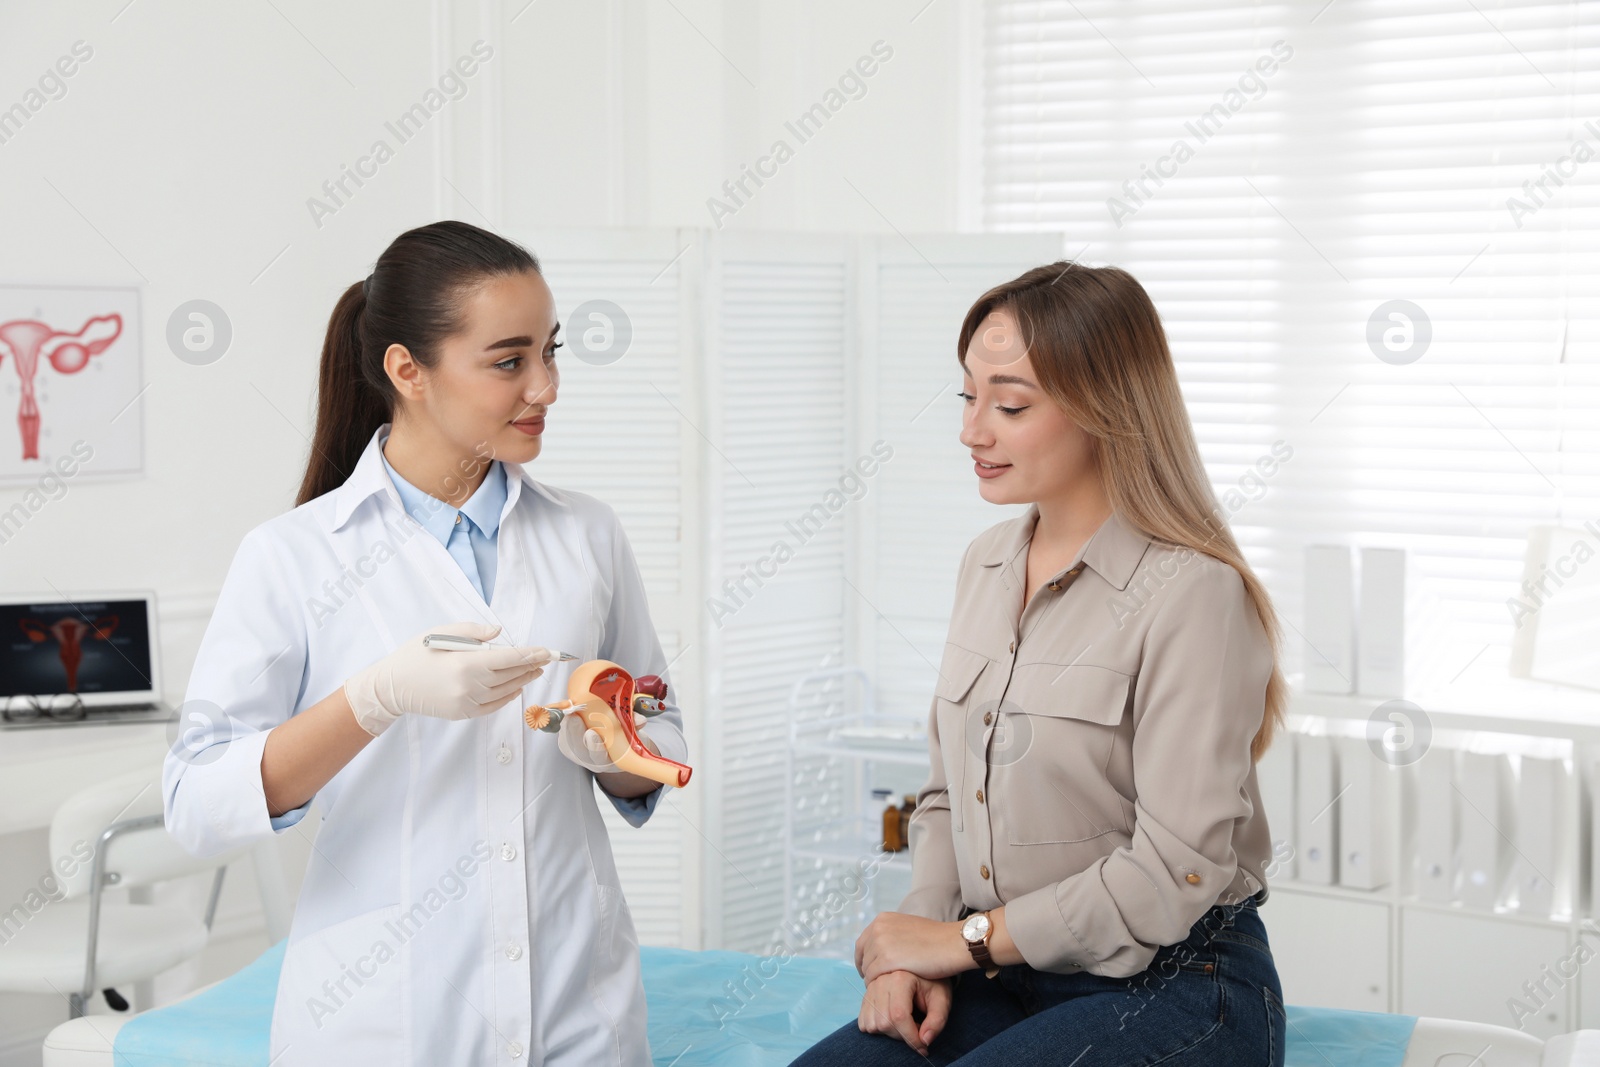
(988, 717)
(1055, 587)
(980, 796)
(1192, 879)
(515, 1049)
(458, 518)
(984, 871)
(503, 754)
(1013, 647)
(507, 852)
(513, 952)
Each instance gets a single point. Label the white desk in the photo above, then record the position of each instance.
(40, 767)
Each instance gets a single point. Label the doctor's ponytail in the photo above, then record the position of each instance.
(411, 298)
(340, 389)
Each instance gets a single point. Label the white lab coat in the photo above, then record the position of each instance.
(461, 905)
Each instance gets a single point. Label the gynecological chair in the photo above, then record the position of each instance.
(65, 937)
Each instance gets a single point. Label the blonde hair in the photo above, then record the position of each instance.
(1098, 349)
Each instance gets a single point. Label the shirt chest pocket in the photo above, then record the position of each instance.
(954, 693)
(1052, 788)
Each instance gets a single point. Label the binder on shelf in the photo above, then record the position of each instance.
(1481, 804)
(1381, 637)
(1591, 819)
(1434, 850)
(1365, 813)
(1536, 866)
(1316, 821)
(1329, 620)
(1275, 779)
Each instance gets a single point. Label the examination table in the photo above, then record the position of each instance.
(786, 1005)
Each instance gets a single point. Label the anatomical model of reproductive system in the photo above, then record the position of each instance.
(69, 634)
(68, 353)
(607, 698)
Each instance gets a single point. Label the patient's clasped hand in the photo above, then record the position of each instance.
(605, 698)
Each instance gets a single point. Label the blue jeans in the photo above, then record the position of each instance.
(1211, 1000)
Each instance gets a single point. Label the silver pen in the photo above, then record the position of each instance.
(457, 643)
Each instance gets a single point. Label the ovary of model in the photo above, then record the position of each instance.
(69, 634)
(607, 698)
(68, 353)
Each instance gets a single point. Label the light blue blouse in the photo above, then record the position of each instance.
(469, 534)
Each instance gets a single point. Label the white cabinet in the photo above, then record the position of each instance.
(1488, 970)
(1477, 910)
(1331, 952)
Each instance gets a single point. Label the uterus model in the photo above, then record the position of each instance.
(27, 340)
(608, 698)
(69, 634)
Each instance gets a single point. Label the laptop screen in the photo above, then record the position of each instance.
(84, 647)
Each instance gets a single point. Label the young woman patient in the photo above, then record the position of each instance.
(1089, 851)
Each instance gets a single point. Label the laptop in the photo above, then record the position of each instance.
(98, 651)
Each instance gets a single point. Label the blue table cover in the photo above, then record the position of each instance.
(707, 1009)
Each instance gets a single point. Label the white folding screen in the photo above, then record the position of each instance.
(616, 432)
(830, 357)
(1277, 175)
(761, 368)
(922, 507)
(779, 351)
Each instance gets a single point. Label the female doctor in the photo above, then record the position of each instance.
(461, 904)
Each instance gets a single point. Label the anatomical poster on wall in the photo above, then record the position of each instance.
(70, 379)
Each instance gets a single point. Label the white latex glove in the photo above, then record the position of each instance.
(442, 683)
(584, 746)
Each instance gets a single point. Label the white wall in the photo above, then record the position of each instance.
(184, 151)
(183, 154)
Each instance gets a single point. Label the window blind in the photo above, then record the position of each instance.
(1372, 230)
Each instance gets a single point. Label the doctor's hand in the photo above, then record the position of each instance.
(892, 1002)
(585, 747)
(442, 683)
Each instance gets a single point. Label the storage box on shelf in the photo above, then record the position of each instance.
(839, 750)
(1454, 849)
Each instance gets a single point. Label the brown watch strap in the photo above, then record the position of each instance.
(980, 952)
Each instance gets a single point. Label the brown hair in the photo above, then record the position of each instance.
(412, 298)
(1097, 346)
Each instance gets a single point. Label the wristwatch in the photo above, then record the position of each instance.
(976, 930)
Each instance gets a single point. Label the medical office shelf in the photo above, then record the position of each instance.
(843, 843)
(865, 752)
(1391, 949)
(839, 836)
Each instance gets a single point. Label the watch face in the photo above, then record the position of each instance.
(975, 927)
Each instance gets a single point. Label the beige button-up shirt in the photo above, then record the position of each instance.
(1091, 752)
